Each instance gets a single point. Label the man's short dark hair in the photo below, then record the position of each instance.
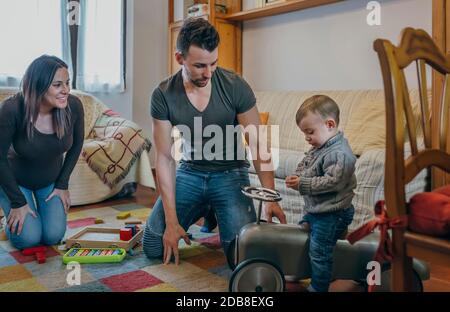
(198, 32)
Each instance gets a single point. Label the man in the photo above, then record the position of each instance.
(198, 99)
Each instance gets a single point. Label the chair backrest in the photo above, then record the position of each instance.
(417, 47)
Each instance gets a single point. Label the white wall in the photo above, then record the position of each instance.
(325, 48)
(150, 56)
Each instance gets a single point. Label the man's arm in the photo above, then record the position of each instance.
(165, 175)
(262, 160)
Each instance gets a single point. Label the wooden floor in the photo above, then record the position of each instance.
(440, 276)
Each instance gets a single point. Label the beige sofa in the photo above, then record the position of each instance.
(85, 186)
(363, 123)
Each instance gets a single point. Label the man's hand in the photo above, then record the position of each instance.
(16, 218)
(172, 235)
(273, 209)
(64, 195)
(292, 182)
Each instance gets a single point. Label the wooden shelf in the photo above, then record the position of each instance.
(275, 9)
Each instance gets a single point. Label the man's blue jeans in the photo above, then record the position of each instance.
(197, 192)
(326, 229)
(50, 225)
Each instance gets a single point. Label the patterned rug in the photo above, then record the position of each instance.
(202, 265)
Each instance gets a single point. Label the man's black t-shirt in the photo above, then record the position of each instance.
(211, 140)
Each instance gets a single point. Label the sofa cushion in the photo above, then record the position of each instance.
(367, 129)
(93, 109)
(361, 116)
(284, 161)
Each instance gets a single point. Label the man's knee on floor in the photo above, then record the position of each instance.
(152, 245)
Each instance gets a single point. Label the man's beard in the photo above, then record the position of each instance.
(200, 82)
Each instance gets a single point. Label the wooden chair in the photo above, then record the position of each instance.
(418, 47)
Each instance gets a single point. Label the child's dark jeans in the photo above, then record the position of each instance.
(326, 229)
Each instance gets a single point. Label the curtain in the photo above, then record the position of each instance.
(100, 52)
(28, 29)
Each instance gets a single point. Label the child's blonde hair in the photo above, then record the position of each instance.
(323, 105)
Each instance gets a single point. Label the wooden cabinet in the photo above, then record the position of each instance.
(230, 32)
(229, 25)
(174, 29)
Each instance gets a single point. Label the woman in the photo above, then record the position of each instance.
(37, 126)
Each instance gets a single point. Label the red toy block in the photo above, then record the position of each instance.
(40, 257)
(33, 250)
(126, 234)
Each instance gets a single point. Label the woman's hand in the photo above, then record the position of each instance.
(64, 195)
(292, 182)
(16, 218)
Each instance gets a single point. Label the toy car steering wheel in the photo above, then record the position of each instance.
(261, 193)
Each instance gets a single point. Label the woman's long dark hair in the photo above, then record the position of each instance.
(35, 83)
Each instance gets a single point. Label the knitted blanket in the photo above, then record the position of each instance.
(113, 146)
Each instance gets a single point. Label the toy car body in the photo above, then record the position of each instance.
(264, 255)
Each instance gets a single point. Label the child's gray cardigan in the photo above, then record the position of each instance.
(327, 176)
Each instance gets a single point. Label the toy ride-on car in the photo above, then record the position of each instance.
(264, 255)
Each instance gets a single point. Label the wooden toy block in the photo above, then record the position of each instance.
(126, 234)
(40, 257)
(39, 252)
(3, 236)
(123, 215)
(33, 250)
(133, 229)
(133, 222)
(99, 221)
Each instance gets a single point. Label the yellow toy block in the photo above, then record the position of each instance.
(99, 221)
(3, 236)
(123, 215)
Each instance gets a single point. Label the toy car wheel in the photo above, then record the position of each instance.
(257, 275)
(386, 282)
(230, 254)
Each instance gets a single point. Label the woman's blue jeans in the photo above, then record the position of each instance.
(50, 225)
(196, 193)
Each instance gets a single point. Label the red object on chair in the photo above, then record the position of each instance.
(429, 212)
(126, 234)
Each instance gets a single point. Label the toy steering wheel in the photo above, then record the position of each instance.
(261, 193)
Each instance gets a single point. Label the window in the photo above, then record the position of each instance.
(29, 28)
(93, 47)
(100, 46)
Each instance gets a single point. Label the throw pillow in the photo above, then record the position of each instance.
(429, 212)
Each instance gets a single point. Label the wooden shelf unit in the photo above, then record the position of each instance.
(230, 32)
(229, 27)
(278, 8)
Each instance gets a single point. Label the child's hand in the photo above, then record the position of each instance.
(292, 182)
